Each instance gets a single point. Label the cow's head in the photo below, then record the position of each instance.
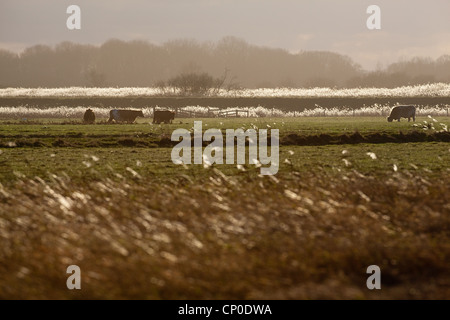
(141, 114)
(172, 115)
(389, 119)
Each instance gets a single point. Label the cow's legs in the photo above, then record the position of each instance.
(112, 116)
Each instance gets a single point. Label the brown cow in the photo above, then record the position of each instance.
(165, 116)
(89, 116)
(128, 116)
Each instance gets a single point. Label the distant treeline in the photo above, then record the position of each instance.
(142, 64)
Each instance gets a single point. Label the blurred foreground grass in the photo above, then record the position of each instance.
(296, 236)
(159, 231)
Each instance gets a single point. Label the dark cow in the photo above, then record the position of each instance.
(89, 116)
(128, 116)
(402, 112)
(165, 116)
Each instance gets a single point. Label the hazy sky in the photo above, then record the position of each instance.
(408, 27)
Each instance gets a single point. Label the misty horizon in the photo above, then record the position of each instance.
(239, 63)
(379, 67)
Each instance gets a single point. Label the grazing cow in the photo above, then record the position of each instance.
(89, 116)
(128, 116)
(402, 112)
(165, 116)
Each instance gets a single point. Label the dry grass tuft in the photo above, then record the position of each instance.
(299, 236)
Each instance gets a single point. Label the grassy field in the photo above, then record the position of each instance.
(351, 192)
(300, 125)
